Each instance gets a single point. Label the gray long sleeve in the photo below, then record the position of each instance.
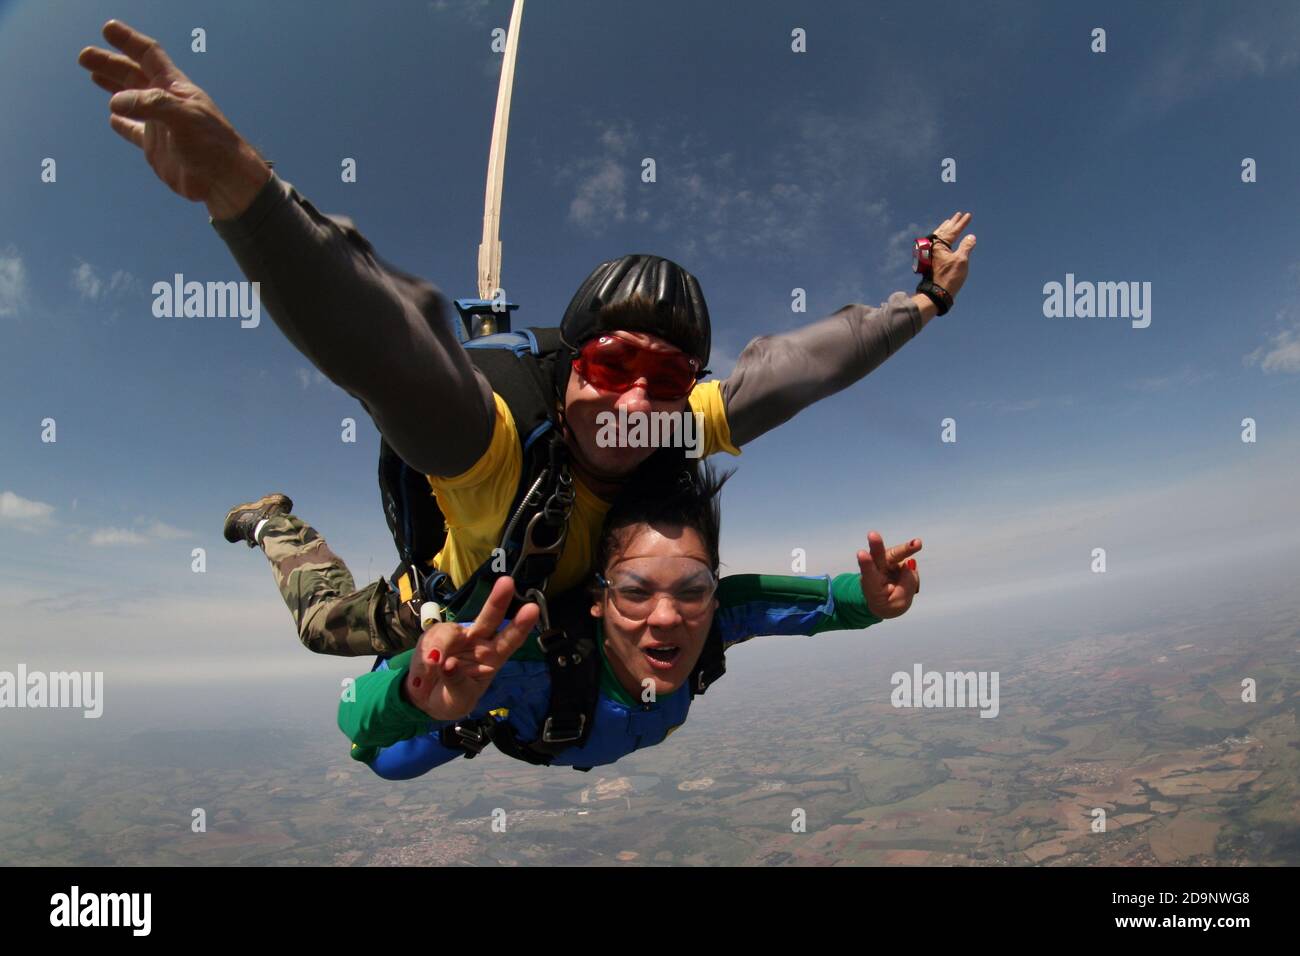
(382, 335)
(778, 376)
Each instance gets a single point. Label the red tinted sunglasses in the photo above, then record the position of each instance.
(614, 365)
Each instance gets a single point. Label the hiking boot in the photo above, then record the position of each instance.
(242, 520)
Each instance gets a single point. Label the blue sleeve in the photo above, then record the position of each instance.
(753, 604)
(411, 758)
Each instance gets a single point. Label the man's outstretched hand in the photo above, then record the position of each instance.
(951, 262)
(187, 141)
(889, 578)
(452, 666)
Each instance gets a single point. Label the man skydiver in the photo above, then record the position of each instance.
(652, 610)
(318, 274)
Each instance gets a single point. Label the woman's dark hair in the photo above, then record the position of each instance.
(665, 491)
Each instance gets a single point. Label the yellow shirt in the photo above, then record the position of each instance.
(475, 502)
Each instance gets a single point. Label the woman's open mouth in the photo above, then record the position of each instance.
(662, 656)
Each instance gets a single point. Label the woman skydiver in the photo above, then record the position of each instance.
(650, 614)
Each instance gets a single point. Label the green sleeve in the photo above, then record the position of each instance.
(851, 612)
(379, 715)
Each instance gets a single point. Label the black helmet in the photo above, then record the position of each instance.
(680, 315)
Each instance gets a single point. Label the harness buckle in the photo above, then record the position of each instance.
(550, 638)
(470, 736)
(551, 736)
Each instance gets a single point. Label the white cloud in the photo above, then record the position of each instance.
(13, 282)
(1198, 57)
(473, 12)
(16, 510)
(134, 636)
(1005, 406)
(159, 531)
(88, 284)
(310, 377)
(1281, 355)
(819, 178)
(108, 537)
(1282, 351)
(120, 281)
(722, 360)
(601, 197)
(616, 139)
(144, 534)
(1183, 378)
(898, 248)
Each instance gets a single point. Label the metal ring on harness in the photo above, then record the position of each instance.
(531, 548)
(544, 615)
(560, 504)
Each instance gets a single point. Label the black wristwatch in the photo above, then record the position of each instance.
(937, 294)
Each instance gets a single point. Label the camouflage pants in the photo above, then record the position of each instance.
(333, 617)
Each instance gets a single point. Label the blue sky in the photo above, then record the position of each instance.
(776, 170)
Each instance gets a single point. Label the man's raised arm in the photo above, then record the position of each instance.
(777, 376)
(380, 334)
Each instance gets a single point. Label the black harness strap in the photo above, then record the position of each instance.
(711, 665)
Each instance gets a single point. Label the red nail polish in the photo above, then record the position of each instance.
(416, 681)
(911, 563)
(435, 655)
